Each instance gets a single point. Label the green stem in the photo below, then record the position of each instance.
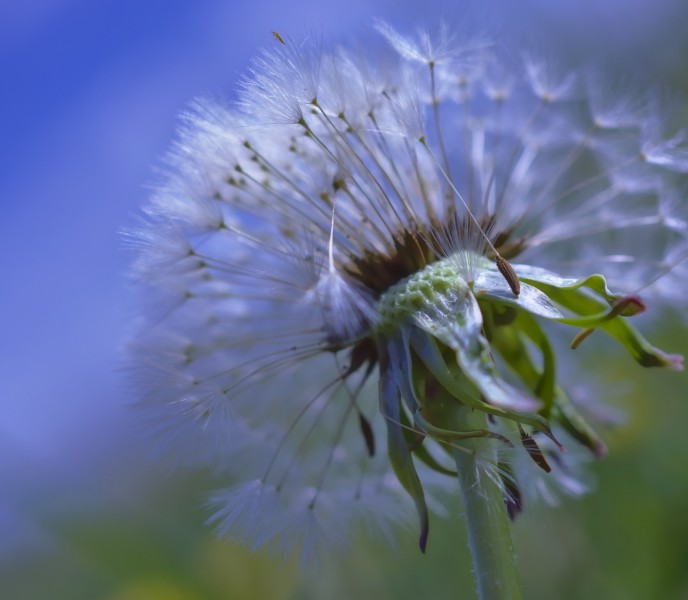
(489, 530)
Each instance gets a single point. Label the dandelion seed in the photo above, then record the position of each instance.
(337, 258)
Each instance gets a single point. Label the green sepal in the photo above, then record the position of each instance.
(509, 342)
(414, 436)
(421, 452)
(449, 436)
(539, 288)
(457, 322)
(399, 452)
(576, 295)
(594, 315)
(400, 364)
(595, 282)
(425, 347)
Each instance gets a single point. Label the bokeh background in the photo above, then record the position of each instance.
(90, 93)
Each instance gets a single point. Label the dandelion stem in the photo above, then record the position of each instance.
(489, 533)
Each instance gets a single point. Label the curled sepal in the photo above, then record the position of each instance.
(596, 282)
(537, 301)
(607, 312)
(448, 435)
(627, 306)
(421, 452)
(510, 342)
(399, 453)
(428, 352)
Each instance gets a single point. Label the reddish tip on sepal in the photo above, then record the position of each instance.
(423, 539)
(599, 449)
(674, 362)
(628, 306)
(424, 532)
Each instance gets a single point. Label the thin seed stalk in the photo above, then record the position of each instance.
(489, 530)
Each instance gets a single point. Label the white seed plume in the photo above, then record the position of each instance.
(285, 215)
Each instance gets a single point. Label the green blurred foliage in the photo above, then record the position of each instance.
(627, 539)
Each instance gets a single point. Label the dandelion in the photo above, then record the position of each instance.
(360, 272)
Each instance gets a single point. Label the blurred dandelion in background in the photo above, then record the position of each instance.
(359, 278)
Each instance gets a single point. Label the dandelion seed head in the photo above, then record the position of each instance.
(321, 259)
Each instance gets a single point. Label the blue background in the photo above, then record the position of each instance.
(90, 93)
